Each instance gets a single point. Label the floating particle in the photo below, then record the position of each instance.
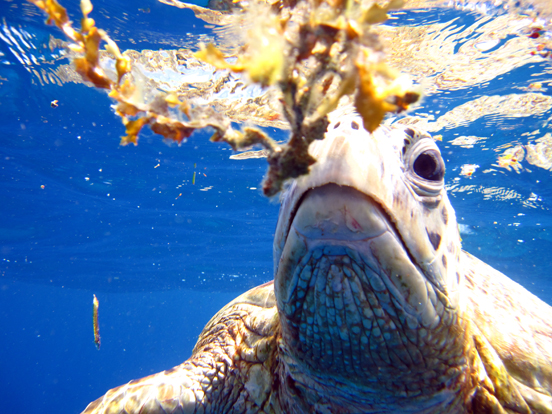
(42, 186)
(534, 197)
(95, 324)
(508, 160)
(54, 103)
(468, 169)
(193, 178)
(536, 32)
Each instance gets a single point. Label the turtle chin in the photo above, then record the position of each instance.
(351, 300)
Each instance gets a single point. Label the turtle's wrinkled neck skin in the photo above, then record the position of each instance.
(366, 251)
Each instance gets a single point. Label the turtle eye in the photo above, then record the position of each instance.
(428, 165)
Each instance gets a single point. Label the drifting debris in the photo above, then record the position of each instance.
(95, 323)
(314, 53)
(511, 158)
(467, 170)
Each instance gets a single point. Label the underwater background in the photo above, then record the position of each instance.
(165, 235)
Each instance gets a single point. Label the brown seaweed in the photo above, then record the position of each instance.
(315, 53)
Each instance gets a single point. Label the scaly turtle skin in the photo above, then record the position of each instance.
(374, 307)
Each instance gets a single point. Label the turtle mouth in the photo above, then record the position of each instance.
(349, 294)
(340, 220)
(328, 209)
(340, 236)
(348, 194)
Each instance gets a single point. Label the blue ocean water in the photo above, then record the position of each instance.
(81, 215)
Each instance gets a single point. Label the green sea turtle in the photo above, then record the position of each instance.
(374, 307)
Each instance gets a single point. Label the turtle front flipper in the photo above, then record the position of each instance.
(230, 371)
(497, 393)
(181, 389)
(513, 339)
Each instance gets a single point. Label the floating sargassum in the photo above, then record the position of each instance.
(96, 325)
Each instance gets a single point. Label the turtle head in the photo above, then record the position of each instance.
(365, 255)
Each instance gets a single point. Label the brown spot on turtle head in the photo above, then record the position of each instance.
(354, 125)
(444, 260)
(434, 238)
(397, 200)
(444, 213)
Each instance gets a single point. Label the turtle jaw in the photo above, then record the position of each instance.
(335, 222)
(352, 303)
